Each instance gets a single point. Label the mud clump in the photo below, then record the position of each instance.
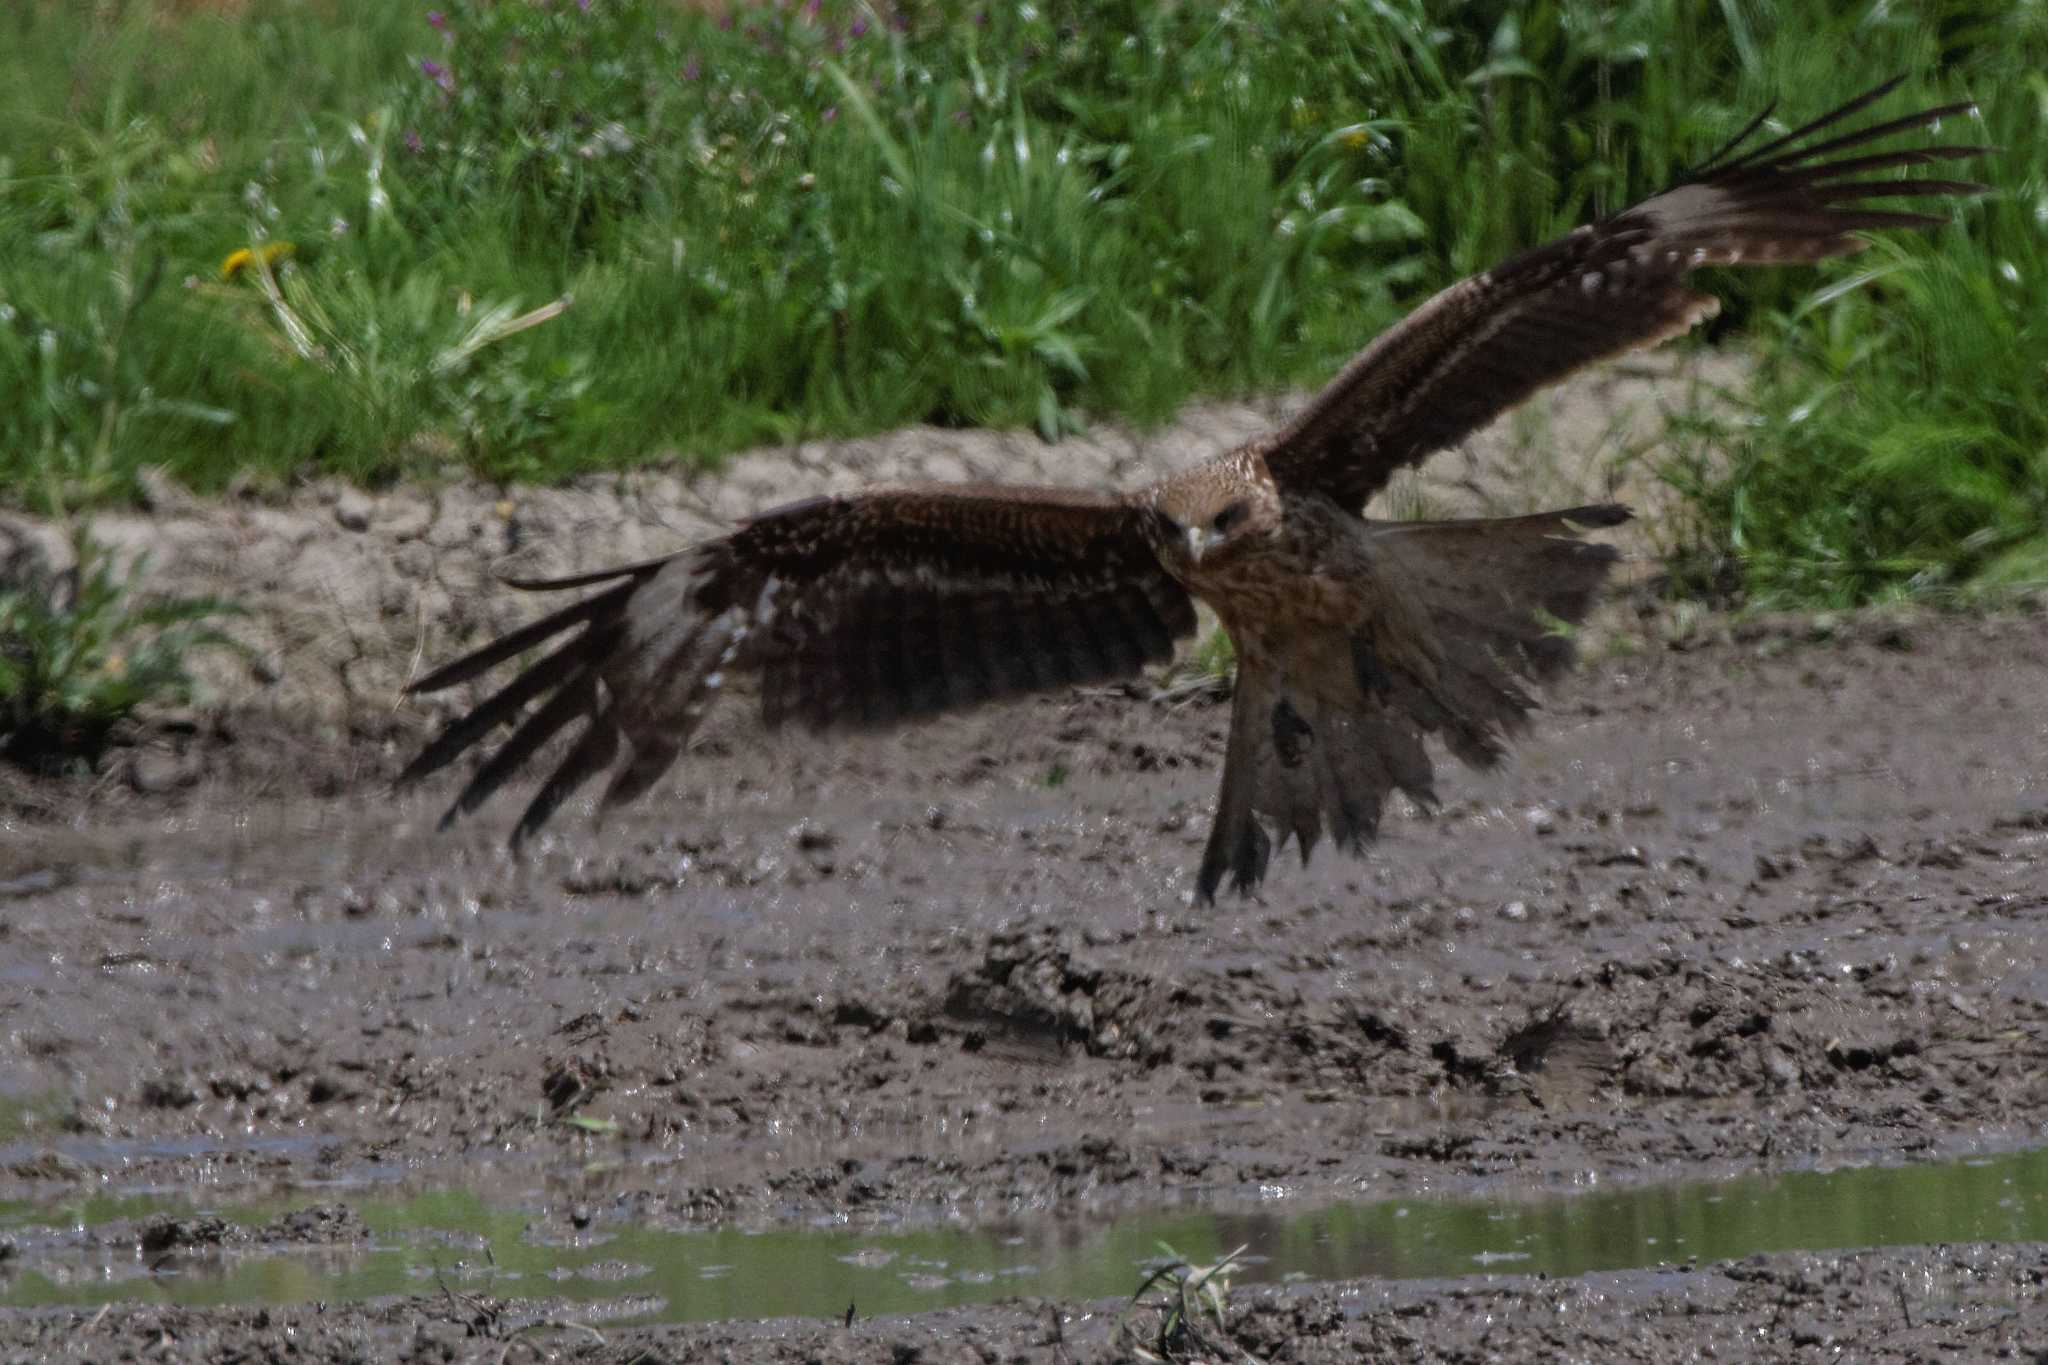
(321, 1225)
(163, 1235)
(1037, 993)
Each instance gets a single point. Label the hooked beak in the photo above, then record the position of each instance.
(1201, 540)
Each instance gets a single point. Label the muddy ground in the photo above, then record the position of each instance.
(1753, 895)
(1960, 1303)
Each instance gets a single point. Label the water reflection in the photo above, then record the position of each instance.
(455, 1237)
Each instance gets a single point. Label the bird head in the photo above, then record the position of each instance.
(1205, 516)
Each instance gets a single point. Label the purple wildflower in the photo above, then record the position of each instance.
(583, 5)
(437, 20)
(412, 141)
(692, 68)
(437, 73)
(831, 114)
(860, 25)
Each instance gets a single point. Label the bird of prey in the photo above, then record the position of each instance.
(1355, 638)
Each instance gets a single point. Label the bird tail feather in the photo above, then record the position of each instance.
(1503, 597)
(1318, 740)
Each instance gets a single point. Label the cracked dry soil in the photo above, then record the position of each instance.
(1760, 897)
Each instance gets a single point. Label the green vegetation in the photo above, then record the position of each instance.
(79, 653)
(538, 237)
(1186, 1304)
(1901, 437)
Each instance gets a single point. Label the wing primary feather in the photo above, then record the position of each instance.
(1886, 189)
(520, 640)
(1902, 156)
(505, 703)
(1706, 167)
(592, 755)
(1861, 102)
(1792, 160)
(572, 701)
(640, 569)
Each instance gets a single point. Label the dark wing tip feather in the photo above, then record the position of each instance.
(592, 755)
(517, 642)
(640, 569)
(576, 698)
(1718, 163)
(1481, 346)
(504, 704)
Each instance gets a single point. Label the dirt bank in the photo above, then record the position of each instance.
(348, 591)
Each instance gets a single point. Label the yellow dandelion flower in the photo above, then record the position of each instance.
(270, 253)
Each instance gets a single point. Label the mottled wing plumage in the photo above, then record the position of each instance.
(1481, 346)
(1357, 640)
(1321, 737)
(854, 611)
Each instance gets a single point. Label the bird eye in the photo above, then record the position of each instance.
(1229, 517)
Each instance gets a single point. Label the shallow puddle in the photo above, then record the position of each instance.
(460, 1240)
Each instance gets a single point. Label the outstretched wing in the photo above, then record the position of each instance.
(1484, 344)
(856, 611)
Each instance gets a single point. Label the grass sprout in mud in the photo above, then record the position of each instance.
(784, 220)
(1183, 1310)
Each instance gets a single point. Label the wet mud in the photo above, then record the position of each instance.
(1753, 895)
(1771, 900)
(1972, 1302)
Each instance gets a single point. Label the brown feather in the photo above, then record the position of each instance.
(1486, 343)
(855, 610)
(1321, 735)
(1357, 640)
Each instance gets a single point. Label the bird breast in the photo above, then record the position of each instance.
(1316, 573)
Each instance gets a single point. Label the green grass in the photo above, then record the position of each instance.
(1900, 440)
(80, 653)
(539, 240)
